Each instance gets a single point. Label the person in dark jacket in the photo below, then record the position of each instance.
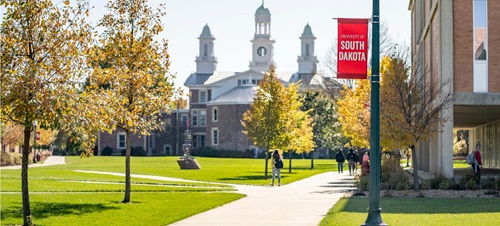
(340, 161)
(352, 159)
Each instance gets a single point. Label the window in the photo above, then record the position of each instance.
(202, 140)
(480, 25)
(215, 114)
(203, 97)
(205, 50)
(184, 119)
(121, 140)
(195, 141)
(194, 118)
(202, 118)
(307, 49)
(215, 136)
(167, 149)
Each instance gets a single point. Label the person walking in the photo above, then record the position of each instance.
(339, 157)
(277, 162)
(477, 164)
(351, 161)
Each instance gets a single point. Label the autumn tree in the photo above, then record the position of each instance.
(272, 117)
(41, 64)
(411, 106)
(140, 85)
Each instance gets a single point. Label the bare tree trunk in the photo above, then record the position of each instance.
(290, 161)
(267, 160)
(415, 167)
(127, 167)
(312, 159)
(27, 219)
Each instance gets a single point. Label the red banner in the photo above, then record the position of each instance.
(352, 49)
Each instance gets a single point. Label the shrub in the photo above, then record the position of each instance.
(425, 184)
(497, 182)
(107, 151)
(362, 182)
(488, 183)
(469, 180)
(221, 153)
(393, 175)
(13, 159)
(135, 151)
(436, 181)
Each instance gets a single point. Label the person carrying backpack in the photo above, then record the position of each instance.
(277, 162)
(476, 162)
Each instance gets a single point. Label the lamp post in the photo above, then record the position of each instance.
(374, 209)
(34, 142)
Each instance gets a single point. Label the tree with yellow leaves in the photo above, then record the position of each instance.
(41, 65)
(133, 85)
(411, 106)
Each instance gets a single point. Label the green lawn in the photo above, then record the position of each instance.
(105, 208)
(60, 195)
(418, 211)
(456, 163)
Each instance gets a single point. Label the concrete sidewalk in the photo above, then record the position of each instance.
(303, 203)
(50, 161)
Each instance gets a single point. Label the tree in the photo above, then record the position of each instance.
(264, 122)
(41, 64)
(354, 113)
(322, 109)
(136, 69)
(411, 106)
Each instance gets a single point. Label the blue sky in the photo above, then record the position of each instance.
(232, 24)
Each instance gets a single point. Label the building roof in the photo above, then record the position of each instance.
(263, 10)
(206, 31)
(307, 31)
(237, 95)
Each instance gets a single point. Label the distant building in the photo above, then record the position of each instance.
(219, 98)
(455, 40)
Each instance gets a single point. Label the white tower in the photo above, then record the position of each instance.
(206, 62)
(307, 60)
(262, 44)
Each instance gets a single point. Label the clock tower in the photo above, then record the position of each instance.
(262, 44)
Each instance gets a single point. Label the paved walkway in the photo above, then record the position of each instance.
(51, 160)
(303, 203)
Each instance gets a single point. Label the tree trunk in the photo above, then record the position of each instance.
(414, 164)
(127, 167)
(312, 159)
(267, 160)
(290, 161)
(27, 219)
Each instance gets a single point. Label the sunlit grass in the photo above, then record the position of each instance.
(418, 211)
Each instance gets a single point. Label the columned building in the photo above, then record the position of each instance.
(452, 40)
(219, 98)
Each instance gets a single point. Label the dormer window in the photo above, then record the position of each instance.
(203, 97)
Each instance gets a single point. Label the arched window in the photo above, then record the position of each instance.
(205, 50)
(307, 49)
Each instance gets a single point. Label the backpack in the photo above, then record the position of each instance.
(470, 158)
(278, 164)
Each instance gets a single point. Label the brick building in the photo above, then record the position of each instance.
(219, 99)
(455, 40)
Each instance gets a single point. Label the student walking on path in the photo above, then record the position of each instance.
(277, 166)
(339, 157)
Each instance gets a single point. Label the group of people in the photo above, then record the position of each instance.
(352, 158)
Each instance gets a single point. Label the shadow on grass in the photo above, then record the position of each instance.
(49, 209)
(427, 205)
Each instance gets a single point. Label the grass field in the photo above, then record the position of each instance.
(418, 211)
(60, 195)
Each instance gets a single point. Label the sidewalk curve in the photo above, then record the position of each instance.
(304, 203)
(50, 161)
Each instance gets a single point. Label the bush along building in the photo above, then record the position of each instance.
(219, 98)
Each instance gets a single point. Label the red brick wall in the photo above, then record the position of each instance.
(493, 46)
(231, 135)
(111, 140)
(462, 46)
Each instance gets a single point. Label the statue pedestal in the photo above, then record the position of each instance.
(188, 163)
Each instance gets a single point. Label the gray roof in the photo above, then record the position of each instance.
(307, 31)
(206, 31)
(207, 79)
(262, 10)
(237, 95)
